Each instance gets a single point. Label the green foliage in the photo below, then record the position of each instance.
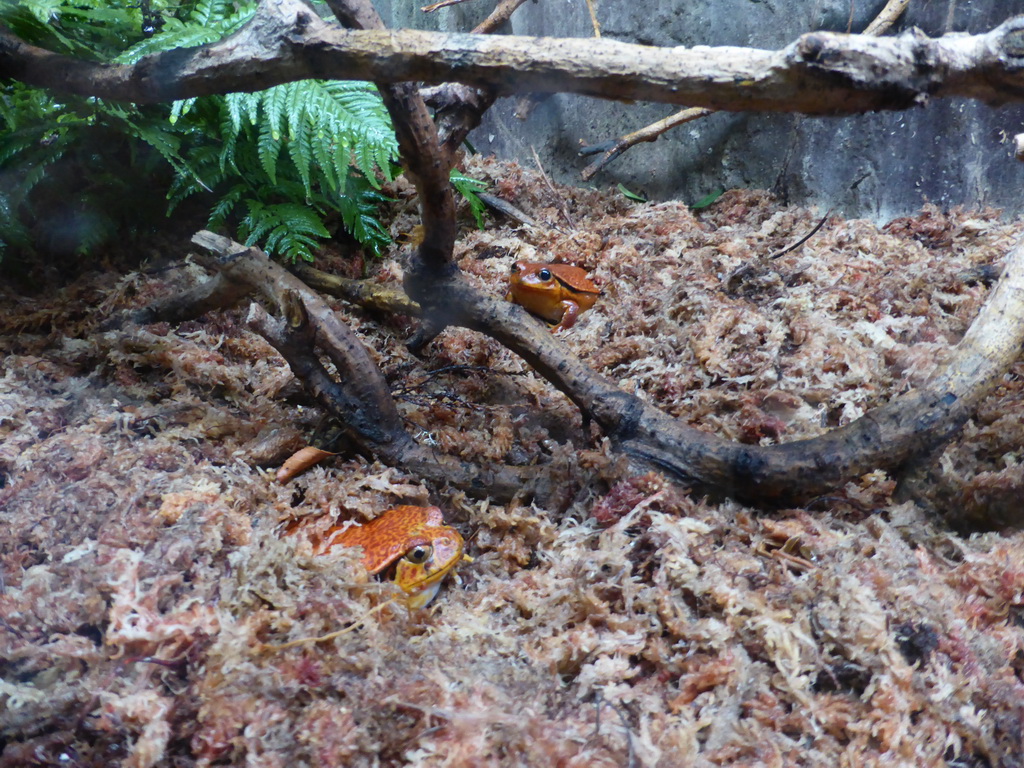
(708, 200)
(470, 189)
(281, 164)
(630, 195)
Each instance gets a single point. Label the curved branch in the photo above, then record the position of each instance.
(820, 73)
(885, 438)
(359, 398)
(612, 149)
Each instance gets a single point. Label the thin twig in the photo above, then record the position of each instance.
(615, 147)
(803, 239)
(356, 624)
(886, 17)
(731, 283)
(593, 18)
(647, 133)
(443, 4)
(502, 13)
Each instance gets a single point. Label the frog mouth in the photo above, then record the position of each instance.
(426, 581)
(422, 580)
(422, 596)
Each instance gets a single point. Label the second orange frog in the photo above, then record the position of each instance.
(558, 293)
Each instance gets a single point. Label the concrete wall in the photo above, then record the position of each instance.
(878, 165)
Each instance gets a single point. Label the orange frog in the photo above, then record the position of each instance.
(412, 539)
(558, 293)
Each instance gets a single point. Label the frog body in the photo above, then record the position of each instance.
(558, 293)
(414, 540)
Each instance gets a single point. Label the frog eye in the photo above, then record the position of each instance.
(544, 274)
(419, 555)
(515, 267)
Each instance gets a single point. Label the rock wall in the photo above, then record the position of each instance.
(877, 166)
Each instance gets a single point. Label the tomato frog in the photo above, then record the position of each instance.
(558, 293)
(412, 540)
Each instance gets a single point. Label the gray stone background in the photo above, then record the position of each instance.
(877, 166)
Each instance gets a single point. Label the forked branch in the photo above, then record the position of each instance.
(359, 396)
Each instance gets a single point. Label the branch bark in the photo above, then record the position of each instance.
(821, 73)
(886, 437)
(417, 144)
(359, 398)
(611, 150)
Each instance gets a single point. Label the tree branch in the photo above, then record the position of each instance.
(822, 73)
(359, 398)
(612, 149)
(418, 146)
(884, 438)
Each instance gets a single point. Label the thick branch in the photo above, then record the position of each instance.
(820, 73)
(427, 166)
(359, 397)
(366, 407)
(883, 439)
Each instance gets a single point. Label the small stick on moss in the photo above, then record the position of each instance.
(356, 624)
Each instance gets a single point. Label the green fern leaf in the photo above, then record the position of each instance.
(301, 153)
(234, 104)
(268, 148)
(288, 229)
(179, 108)
(275, 106)
(257, 223)
(470, 189)
(174, 35)
(225, 206)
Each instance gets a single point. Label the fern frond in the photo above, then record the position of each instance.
(289, 230)
(225, 206)
(179, 108)
(207, 23)
(38, 173)
(275, 108)
(358, 208)
(268, 148)
(256, 223)
(12, 231)
(300, 147)
(235, 102)
(470, 189)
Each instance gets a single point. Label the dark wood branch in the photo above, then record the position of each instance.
(820, 73)
(367, 408)
(458, 109)
(359, 397)
(914, 423)
(428, 167)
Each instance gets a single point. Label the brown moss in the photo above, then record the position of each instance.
(147, 587)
